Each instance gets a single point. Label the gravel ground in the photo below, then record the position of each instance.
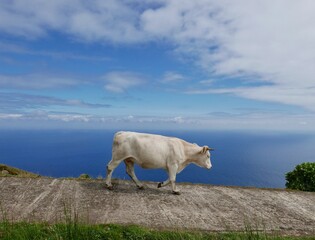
(199, 207)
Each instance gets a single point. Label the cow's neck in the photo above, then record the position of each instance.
(190, 152)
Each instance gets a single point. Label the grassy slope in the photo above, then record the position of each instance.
(6, 170)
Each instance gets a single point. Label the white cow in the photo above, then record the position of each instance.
(155, 151)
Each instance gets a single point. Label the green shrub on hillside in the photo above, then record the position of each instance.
(6, 171)
(302, 177)
(84, 176)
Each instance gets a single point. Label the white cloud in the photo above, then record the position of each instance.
(172, 77)
(47, 116)
(207, 82)
(303, 97)
(8, 116)
(6, 47)
(121, 81)
(69, 117)
(37, 81)
(215, 121)
(271, 43)
(97, 20)
(18, 101)
(267, 42)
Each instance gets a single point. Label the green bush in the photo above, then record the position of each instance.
(302, 177)
(84, 176)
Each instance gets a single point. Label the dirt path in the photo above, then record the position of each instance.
(202, 207)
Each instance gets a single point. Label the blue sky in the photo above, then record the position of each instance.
(174, 64)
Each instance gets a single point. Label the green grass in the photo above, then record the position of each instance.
(76, 231)
(73, 227)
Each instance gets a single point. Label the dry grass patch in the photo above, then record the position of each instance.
(8, 171)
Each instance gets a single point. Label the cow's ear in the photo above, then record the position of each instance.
(204, 149)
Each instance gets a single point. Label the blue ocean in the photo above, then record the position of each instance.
(239, 159)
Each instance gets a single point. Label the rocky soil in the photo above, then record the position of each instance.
(199, 207)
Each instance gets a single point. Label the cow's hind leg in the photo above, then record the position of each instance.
(109, 171)
(131, 172)
(163, 184)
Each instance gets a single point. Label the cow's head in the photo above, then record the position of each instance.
(203, 157)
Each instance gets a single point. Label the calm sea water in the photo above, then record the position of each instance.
(241, 159)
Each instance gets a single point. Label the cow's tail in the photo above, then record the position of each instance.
(116, 140)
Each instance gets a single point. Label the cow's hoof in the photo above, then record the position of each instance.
(109, 187)
(160, 185)
(141, 187)
(176, 192)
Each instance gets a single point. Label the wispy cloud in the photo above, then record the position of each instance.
(69, 117)
(38, 81)
(121, 81)
(18, 101)
(9, 116)
(269, 42)
(172, 77)
(264, 41)
(303, 97)
(18, 49)
(213, 121)
(47, 116)
(111, 20)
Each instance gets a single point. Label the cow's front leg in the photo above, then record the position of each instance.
(172, 177)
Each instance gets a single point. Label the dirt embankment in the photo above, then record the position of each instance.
(6, 171)
(202, 207)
